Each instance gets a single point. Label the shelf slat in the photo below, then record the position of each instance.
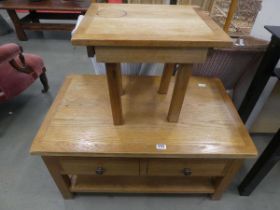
(87, 183)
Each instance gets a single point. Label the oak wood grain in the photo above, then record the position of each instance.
(223, 182)
(148, 25)
(182, 79)
(128, 184)
(79, 122)
(114, 81)
(150, 54)
(175, 167)
(63, 182)
(110, 166)
(166, 77)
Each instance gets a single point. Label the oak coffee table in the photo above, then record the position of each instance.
(85, 152)
(171, 34)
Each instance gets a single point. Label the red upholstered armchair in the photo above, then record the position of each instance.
(18, 71)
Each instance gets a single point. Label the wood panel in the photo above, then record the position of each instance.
(62, 182)
(222, 183)
(230, 15)
(176, 167)
(110, 166)
(141, 185)
(148, 25)
(79, 122)
(179, 91)
(166, 77)
(150, 55)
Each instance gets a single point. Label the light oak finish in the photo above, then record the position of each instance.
(166, 78)
(175, 167)
(144, 33)
(223, 183)
(143, 167)
(150, 55)
(148, 26)
(84, 152)
(179, 92)
(142, 185)
(79, 122)
(119, 78)
(114, 81)
(62, 182)
(111, 166)
(231, 11)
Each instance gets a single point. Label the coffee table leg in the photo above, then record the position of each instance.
(19, 30)
(223, 183)
(62, 181)
(114, 86)
(179, 92)
(119, 76)
(165, 78)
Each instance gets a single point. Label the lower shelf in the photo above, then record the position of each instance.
(114, 184)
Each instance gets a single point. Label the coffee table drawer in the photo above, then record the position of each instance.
(100, 166)
(181, 167)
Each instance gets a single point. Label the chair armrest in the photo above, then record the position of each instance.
(9, 52)
(12, 53)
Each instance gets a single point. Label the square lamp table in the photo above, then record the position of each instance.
(85, 152)
(129, 33)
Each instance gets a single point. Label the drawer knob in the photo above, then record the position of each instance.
(99, 170)
(187, 171)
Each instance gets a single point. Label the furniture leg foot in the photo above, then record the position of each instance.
(19, 30)
(165, 78)
(63, 182)
(114, 86)
(44, 81)
(223, 183)
(179, 92)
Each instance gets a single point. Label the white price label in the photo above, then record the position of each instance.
(161, 146)
(202, 85)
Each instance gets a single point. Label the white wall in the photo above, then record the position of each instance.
(269, 15)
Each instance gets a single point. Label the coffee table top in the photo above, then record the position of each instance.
(79, 122)
(63, 5)
(148, 25)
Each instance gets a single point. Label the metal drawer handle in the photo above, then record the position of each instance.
(187, 171)
(99, 171)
